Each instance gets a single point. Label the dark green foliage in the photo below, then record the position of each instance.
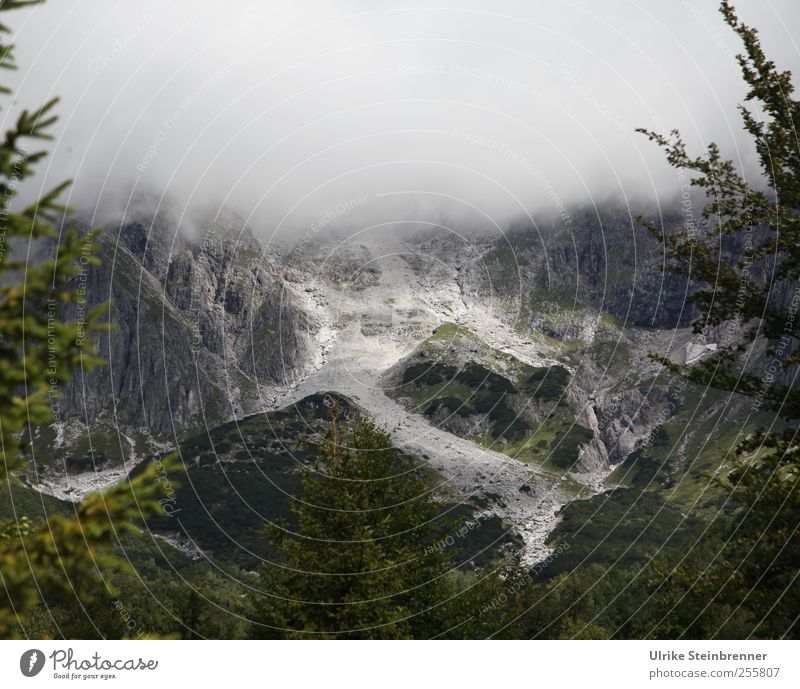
(508, 424)
(547, 383)
(358, 548)
(165, 594)
(479, 377)
(223, 505)
(485, 393)
(250, 478)
(744, 261)
(242, 475)
(618, 528)
(765, 546)
(477, 540)
(503, 413)
(17, 499)
(362, 561)
(424, 374)
(68, 560)
(642, 469)
(743, 258)
(645, 467)
(449, 405)
(565, 450)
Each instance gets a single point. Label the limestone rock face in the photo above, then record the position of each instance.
(696, 350)
(549, 275)
(627, 420)
(203, 324)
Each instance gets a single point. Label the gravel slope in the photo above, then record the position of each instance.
(370, 329)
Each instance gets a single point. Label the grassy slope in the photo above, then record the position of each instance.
(666, 494)
(243, 475)
(17, 500)
(511, 407)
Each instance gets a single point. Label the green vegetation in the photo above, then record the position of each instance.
(242, 475)
(452, 332)
(743, 231)
(564, 451)
(357, 564)
(621, 527)
(248, 473)
(523, 412)
(612, 356)
(547, 384)
(66, 560)
(20, 501)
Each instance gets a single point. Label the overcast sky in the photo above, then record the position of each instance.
(475, 110)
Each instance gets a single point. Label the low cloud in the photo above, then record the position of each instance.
(469, 114)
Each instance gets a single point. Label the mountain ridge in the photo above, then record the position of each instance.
(218, 327)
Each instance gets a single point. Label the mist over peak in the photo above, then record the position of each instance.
(330, 114)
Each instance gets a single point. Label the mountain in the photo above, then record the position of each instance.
(517, 365)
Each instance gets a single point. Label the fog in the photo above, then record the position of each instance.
(332, 114)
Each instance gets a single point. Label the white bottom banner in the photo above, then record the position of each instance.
(356, 664)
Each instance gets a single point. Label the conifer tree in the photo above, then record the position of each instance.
(68, 558)
(744, 257)
(744, 263)
(361, 562)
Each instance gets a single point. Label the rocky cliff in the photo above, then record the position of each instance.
(203, 325)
